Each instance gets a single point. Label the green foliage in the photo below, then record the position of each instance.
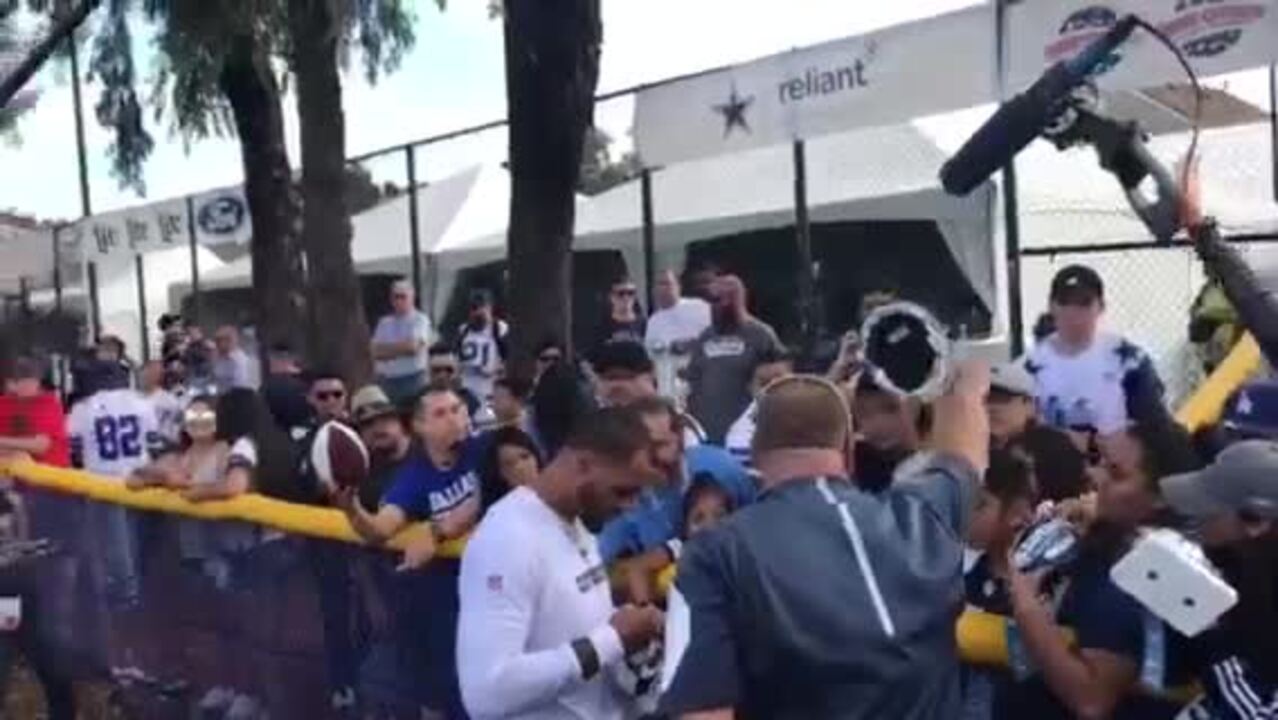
(193, 38)
(599, 171)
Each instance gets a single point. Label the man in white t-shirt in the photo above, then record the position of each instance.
(1086, 381)
(400, 342)
(673, 329)
(539, 637)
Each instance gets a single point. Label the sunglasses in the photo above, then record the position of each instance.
(195, 417)
(326, 395)
(443, 370)
(624, 292)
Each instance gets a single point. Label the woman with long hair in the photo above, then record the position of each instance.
(510, 459)
(1123, 656)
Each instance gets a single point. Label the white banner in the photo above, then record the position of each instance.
(221, 218)
(1216, 36)
(920, 68)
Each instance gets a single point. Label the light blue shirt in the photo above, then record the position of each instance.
(402, 328)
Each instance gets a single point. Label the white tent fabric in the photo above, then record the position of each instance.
(471, 203)
(885, 173)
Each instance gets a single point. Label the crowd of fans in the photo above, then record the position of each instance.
(825, 527)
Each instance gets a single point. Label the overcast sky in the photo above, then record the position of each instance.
(453, 78)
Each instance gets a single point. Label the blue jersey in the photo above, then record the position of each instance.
(424, 491)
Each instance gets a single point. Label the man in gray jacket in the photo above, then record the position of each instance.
(821, 600)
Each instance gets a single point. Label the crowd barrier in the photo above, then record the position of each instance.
(981, 637)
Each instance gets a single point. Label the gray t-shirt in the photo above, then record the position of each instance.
(401, 328)
(823, 601)
(720, 372)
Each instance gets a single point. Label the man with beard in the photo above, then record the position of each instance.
(539, 636)
(481, 347)
(645, 539)
(438, 486)
(724, 358)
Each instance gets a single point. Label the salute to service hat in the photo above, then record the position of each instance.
(1244, 478)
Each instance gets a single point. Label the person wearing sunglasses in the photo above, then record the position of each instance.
(444, 369)
(400, 341)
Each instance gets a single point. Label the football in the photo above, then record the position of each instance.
(338, 457)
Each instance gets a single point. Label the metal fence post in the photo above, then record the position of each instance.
(414, 232)
(195, 258)
(803, 240)
(143, 335)
(649, 240)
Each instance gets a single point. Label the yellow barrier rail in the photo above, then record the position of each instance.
(982, 637)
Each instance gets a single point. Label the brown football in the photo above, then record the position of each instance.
(339, 457)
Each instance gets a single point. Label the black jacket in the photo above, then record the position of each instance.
(1256, 305)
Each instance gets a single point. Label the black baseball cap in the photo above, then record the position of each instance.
(621, 357)
(1077, 284)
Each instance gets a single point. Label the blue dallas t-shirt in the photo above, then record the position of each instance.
(424, 491)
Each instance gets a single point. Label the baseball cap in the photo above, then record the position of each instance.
(1244, 477)
(1253, 411)
(371, 403)
(1077, 283)
(1012, 379)
(621, 357)
(480, 298)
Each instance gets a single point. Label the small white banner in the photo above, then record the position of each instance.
(1216, 36)
(221, 217)
(920, 68)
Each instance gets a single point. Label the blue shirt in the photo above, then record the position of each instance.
(424, 491)
(659, 515)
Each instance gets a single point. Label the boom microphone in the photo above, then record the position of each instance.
(1022, 118)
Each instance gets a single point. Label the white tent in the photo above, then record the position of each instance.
(471, 203)
(885, 173)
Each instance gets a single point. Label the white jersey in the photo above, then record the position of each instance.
(479, 352)
(168, 414)
(1087, 390)
(114, 432)
(740, 435)
(532, 583)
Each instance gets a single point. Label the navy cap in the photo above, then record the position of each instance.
(1075, 283)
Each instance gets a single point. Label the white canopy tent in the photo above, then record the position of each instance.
(471, 203)
(885, 173)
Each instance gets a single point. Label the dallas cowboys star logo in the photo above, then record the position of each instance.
(733, 112)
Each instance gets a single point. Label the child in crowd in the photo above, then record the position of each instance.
(1004, 509)
(705, 505)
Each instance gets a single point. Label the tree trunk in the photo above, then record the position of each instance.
(552, 67)
(250, 87)
(339, 332)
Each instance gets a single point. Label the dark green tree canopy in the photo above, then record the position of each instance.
(192, 38)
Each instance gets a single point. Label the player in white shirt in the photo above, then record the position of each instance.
(772, 366)
(481, 347)
(672, 329)
(538, 636)
(1088, 381)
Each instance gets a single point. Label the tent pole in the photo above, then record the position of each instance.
(95, 314)
(1011, 213)
(414, 234)
(24, 296)
(803, 239)
(649, 231)
(142, 328)
(1273, 128)
(194, 245)
(57, 269)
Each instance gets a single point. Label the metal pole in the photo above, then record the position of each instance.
(24, 296)
(195, 258)
(1011, 213)
(414, 234)
(144, 335)
(649, 239)
(1273, 128)
(95, 317)
(57, 269)
(803, 239)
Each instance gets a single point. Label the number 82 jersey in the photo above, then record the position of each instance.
(114, 432)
